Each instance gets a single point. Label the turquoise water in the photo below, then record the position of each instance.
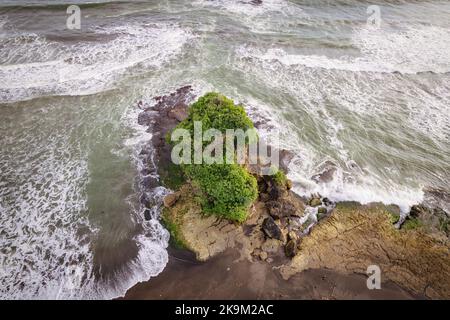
(371, 104)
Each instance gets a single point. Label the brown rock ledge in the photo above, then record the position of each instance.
(356, 236)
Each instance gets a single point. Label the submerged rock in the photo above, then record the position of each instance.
(433, 220)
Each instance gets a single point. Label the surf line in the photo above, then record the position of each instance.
(186, 310)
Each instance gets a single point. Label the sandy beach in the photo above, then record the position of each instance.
(223, 277)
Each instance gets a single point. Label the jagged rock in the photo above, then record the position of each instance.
(434, 220)
(283, 208)
(417, 210)
(171, 199)
(292, 236)
(271, 229)
(274, 193)
(328, 169)
(275, 209)
(314, 202)
(291, 248)
(264, 197)
(289, 184)
(288, 209)
(179, 112)
(147, 215)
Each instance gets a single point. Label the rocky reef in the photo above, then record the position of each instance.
(356, 236)
(292, 233)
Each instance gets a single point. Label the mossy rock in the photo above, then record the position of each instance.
(411, 224)
(394, 217)
(227, 190)
(172, 176)
(172, 224)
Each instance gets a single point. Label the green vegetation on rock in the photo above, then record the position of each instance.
(227, 189)
(216, 111)
(280, 178)
(394, 217)
(411, 223)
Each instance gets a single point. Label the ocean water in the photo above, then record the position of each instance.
(370, 104)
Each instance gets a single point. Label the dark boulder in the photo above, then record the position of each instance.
(147, 215)
(291, 249)
(271, 229)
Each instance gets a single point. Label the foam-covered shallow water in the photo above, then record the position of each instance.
(365, 112)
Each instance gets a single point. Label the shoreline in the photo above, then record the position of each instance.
(224, 277)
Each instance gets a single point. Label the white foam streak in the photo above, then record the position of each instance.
(86, 68)
(410, 51)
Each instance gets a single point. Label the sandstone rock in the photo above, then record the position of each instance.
(292, 236)
(275, 209)
(271, 229)
(171, 199)
(314, 202)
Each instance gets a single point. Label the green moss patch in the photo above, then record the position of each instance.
(173, 226)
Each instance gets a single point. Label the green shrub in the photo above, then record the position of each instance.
(216, 111)
(172, 175)
(280, 178)
(227, 189)
(411, 223)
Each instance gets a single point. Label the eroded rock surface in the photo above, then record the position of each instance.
(357, 236)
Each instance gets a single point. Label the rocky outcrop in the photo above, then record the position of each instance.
(171, 199)
(299, 234)
(357, 236)
(260, 236)
(434, 221)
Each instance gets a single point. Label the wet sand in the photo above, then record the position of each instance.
(223, 277)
